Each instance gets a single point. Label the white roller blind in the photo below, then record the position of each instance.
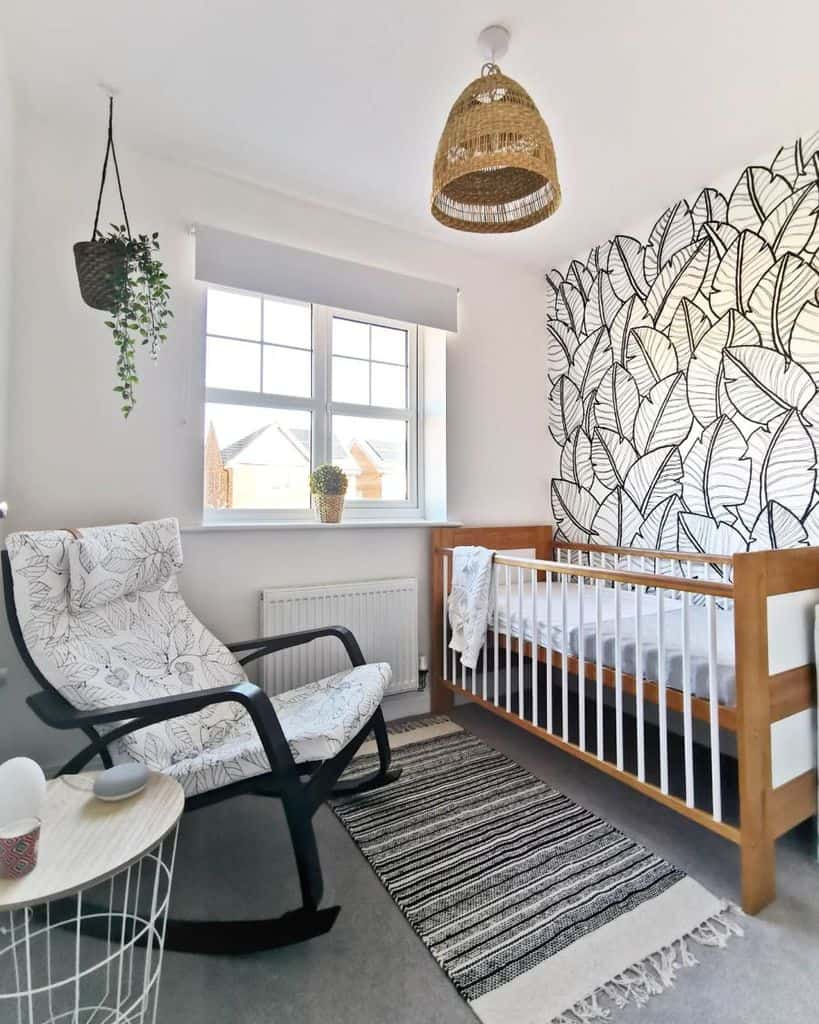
(238, 261)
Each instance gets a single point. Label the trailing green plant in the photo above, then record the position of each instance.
(122, 273)
(328, 479)
(140, 310)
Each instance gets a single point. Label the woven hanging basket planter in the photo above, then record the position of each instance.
(101, 266)
(329, 507)
(122, 274)
(495, 169)
(102, 263)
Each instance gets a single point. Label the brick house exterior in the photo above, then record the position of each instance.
(364, 465)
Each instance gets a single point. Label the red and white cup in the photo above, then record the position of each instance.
(18, 847)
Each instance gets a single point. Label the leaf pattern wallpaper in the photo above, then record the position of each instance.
(683, 372)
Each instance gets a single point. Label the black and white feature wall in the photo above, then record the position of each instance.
(684, 372)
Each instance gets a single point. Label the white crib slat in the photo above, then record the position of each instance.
(581, 667)
(535, 645)
(618, 674)
(549, 709)
(454, 663)
(508, 679)
(661, 685)
(496, 632)
(463, 673)
(521, 643)
(484, 660)
(713, 708)
(445, 572)
(598, 657)
(564, 666)
(688, 728)
(639, 690)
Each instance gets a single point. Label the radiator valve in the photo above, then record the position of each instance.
(423, 672)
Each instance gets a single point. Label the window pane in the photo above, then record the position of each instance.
(389, 345)
(256, 458)
(351, 381)
(287, 323)
(389, 385)
(234, 314)
(351, 338)
(233, 364)
(373, 454)
(287, 372)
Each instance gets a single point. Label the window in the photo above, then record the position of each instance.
(290, 386)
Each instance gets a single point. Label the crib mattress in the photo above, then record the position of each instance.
(567, 632)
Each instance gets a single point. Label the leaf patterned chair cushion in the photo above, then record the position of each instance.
(120, 631)
(120, 560)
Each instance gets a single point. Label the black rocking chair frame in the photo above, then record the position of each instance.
(302, 787)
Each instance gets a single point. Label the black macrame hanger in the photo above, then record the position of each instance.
(109, 149)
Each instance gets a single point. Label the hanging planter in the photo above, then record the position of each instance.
(121, 273)
(100, 266)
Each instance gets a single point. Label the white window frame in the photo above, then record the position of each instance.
(322, 409)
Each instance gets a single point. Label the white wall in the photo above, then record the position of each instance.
(7, 149)
(78, 463)
(7, 205)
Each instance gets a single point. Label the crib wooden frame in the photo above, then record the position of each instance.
(766, 811)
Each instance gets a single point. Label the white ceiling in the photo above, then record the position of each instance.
(343, 103)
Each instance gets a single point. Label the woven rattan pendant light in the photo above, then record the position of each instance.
(495, 168)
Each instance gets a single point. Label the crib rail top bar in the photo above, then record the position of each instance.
(671, 556)
(639, 579)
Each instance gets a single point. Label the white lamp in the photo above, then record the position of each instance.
(22, 790)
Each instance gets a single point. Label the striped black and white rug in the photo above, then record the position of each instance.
(536, 909)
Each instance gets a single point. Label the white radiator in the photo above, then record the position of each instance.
(383, 615)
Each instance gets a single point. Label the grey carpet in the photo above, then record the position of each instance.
(372, 969)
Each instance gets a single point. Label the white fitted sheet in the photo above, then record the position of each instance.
(672, 626)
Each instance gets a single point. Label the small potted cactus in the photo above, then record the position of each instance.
(328, 484)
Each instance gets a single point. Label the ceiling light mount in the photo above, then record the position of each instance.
(493, 43)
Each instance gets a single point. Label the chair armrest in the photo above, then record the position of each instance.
(56, 712)
(271, 644)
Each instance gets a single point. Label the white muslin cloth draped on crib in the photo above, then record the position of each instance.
(470, 601)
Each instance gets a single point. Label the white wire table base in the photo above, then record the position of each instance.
(94, 957)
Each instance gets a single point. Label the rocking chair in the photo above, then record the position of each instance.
(99, 622)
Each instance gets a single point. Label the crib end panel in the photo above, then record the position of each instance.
(776, 594)
(440, 696)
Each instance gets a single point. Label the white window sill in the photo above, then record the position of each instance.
(309, 524)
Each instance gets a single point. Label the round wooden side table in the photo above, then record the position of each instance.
(81, 936)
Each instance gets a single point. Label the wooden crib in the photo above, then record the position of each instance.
(612, 618)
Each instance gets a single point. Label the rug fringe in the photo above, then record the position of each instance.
(656, 973)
